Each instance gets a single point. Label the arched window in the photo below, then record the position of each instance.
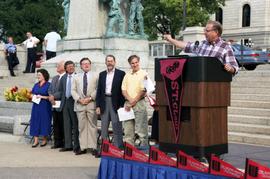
(246, 16)
(219, 15)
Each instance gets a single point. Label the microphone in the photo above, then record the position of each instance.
(196, 45)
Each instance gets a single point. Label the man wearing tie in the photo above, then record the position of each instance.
(58, 130)
(70, 120)
(84, 93)
(109, 99)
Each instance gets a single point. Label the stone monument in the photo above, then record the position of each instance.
(86, 37)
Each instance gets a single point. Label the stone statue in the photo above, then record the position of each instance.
(136, 18)
(65, 5)
(115, 20)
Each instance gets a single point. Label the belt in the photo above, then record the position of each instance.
(108, 95)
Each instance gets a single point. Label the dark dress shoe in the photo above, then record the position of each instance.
(34, 145)
(95, 153)
(65, 149)
(43, 145)
(80, 152)
(56, 146)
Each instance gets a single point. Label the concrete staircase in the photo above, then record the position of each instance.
(21, 80)
(13, 113)
(249, 113)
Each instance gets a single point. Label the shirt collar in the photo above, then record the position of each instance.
(135, 72)
(61, 75)
(218, 40)
(113, 70)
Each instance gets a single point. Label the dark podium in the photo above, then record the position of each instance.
(206, 97)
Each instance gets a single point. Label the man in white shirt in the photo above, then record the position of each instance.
(50, 42)
(31, 45)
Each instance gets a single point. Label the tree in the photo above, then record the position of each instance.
(36, 16)
(197, 13)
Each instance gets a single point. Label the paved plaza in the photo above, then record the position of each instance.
(19, 160)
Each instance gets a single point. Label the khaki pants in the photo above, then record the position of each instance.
(87, 129)
(138, 125)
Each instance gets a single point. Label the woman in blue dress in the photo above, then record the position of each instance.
(41, 115)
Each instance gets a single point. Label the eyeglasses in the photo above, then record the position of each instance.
(208, 30)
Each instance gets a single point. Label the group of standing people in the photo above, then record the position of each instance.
(50, 41)
(83, 98)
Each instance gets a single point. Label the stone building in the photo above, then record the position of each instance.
(248, 20)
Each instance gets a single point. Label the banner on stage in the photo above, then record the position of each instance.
(222, 168)
(110, 150)
(160, 158)
(171, 71)
(187, 162)
(132, 153)
(255, 170)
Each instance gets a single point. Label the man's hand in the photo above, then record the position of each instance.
(229, 68)
(127, 108)
(51, 98)
(98, 110)
(82, 101)
(167, 37)
(132, 102)
(87, 100)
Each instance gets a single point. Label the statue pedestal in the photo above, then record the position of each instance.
(97, 48)
(86, 38)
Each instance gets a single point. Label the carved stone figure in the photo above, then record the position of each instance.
(65, 5)
(136, 18)
(116, 26)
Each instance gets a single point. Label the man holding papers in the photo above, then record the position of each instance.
(58, 128)
(109, 99)
(134, 92)
(70, 120)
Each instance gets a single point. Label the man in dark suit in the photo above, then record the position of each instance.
(109, 99)
(58, 129)
(71, 132)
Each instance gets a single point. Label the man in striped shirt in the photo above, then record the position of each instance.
(213, 46)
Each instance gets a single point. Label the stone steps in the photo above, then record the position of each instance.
(250, 97)
(242, 137)
(237, 79)
(250, 90)
(250, 104)
(22, 81)
(6, 124)
(251, 128)
(248, 119)
(251, 84)
(15, 108)
(249, 111)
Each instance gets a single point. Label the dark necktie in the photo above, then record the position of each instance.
(85, 84)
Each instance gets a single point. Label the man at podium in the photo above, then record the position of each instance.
(212, 46)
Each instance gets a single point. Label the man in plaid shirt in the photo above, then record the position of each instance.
(213, 46)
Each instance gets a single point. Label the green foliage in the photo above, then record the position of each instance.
(197, 13)
(36, 16)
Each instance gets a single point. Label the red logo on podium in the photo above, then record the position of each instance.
(110, 150)
(187, 162)
(255, 170)
(132, 153)
(219, 167)
(160, 158)
(171, 71)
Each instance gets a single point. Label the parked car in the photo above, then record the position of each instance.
(249, 58)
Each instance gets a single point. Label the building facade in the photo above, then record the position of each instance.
(248, 20)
